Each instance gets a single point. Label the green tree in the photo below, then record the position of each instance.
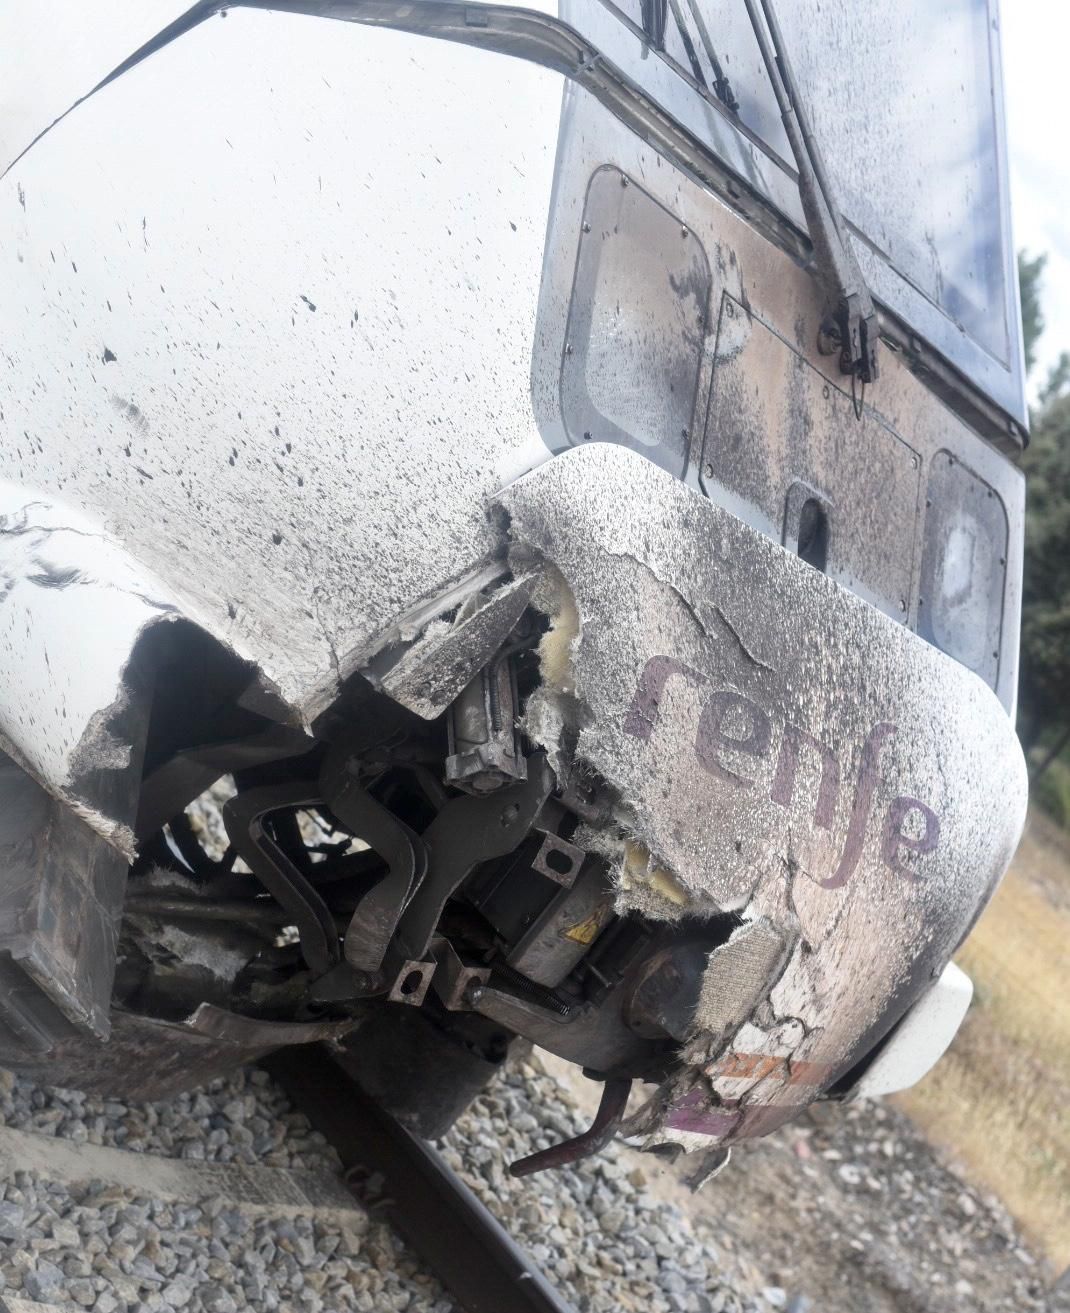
(1044, 678)
(1030, 272)
(1058, 379)
(1044, 682)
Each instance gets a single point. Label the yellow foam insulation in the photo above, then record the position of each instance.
(639, 869)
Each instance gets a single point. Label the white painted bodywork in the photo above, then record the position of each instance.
(281, 319)
(179, 232)
(921, 1039)
(56, 51)
(846, 916)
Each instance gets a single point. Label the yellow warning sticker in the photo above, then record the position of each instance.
(586, 931)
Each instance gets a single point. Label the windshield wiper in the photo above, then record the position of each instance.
(654, 17)
(851, 326)
(721, 86)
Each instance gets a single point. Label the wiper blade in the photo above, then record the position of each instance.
(721, 86)
(852, 323)
(688, 44)
(654, 17)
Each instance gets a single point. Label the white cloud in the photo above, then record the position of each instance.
(1036, 48)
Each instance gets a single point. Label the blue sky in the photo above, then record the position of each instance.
(1036, 68)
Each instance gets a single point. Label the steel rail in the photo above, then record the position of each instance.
(455, 1234)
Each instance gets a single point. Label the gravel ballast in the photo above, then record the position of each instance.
(113, 1252)
(597, 1232)
(244, 1118)
(847, 1212)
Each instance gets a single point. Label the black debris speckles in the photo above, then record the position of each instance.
(109, 355)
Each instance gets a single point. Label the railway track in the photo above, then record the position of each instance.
(391, 1170)
(386, 1171)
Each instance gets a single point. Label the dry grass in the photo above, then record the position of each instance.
(999, 1102)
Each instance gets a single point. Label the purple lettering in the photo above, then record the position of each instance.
(713, 738)
(787, 765)
(863, 801)
(731, 723)
(643, 713)
(893, 837)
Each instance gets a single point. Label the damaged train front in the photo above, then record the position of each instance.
(419, 647)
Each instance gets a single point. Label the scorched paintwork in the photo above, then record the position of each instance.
(786, 752)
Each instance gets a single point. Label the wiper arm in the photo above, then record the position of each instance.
(654, 15)
(721, 86)
(852, 323)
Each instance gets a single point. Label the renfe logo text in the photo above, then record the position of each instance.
(729, 722)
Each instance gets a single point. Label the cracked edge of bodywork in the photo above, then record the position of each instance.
(434, 653)
(744, 1081)
(116, 834)
(115, 605)
(644, 881)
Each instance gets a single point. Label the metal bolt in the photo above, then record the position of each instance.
(902, 604)
(586, 435)
(914, 462)
(568, 348)
(473, 993)
(683, 232)
(586, 227)
(707, 471)
(623, 180)
(729, 309)
(825, 391)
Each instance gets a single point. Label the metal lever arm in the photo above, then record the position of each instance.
(243, 817)
(467, 831)
(607, 1120)
(377, 914)
(852, 306)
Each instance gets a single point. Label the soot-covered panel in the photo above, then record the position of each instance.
(778, 434)
(636, 324)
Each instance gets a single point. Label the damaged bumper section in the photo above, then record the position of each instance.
(783, 755)
(97, 656)
(641, 786)
(319, 724)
